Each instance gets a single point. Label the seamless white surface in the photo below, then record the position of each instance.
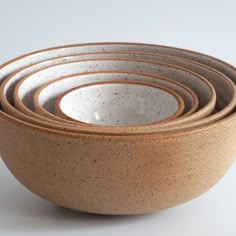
(205, 26)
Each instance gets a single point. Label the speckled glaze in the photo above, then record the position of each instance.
(119, 174)
(119, 103)
(25, 89)
(213, 76)
(182, 55)
(45, 96)
(225, 103)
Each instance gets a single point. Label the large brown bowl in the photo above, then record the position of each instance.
(109, 174)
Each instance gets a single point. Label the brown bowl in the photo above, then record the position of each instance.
(118, 175)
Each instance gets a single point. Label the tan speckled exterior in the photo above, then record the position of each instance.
(117, 174)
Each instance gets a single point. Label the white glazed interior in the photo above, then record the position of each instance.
(118, 104)
(46, 96)
(109, 47)
(213, 76)
(195, 82)
(29, 59)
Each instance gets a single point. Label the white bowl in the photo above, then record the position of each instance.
(119, 103)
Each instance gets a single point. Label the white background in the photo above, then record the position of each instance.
(206, 26)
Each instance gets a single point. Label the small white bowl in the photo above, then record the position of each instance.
(119, 103)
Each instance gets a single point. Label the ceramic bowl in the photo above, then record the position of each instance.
(25, 89)
(111, 174)
(119, 103)
(45, 96)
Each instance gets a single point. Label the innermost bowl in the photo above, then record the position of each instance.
(119, 103)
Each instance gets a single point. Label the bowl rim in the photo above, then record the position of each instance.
(183, 130)
(113, 129)
(225, 111)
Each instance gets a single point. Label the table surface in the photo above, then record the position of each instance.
(205, 26)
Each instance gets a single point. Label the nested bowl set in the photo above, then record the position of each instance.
(117, 128)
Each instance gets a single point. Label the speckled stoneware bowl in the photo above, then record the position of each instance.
(119, 103)
(112, 174)
(25, 89)
(45, 96)
(119, 174)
